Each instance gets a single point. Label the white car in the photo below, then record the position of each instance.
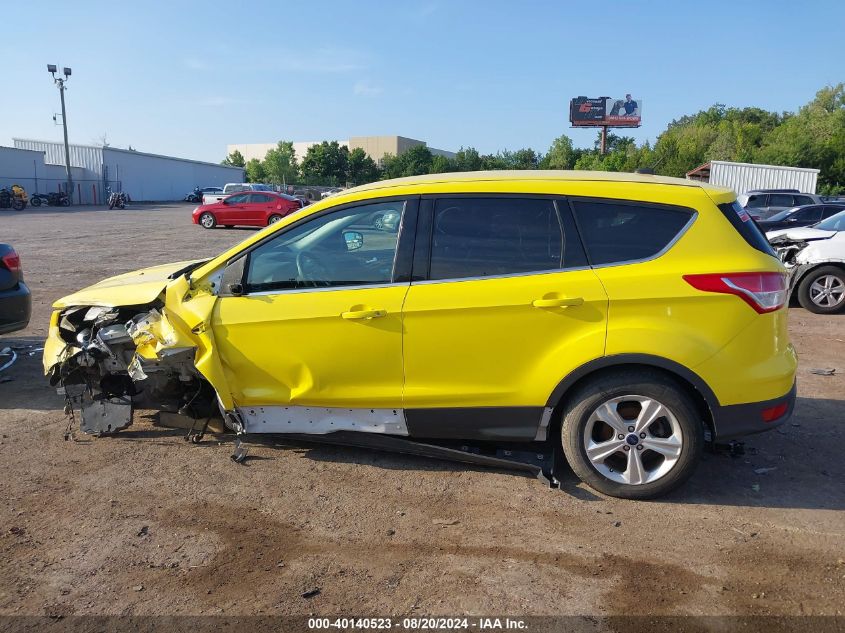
(815, 258)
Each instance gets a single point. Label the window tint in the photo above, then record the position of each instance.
(799, 200)
(746, 227)
(258, 198)
(755, 202)
(336, 249)
(812, 214)
(781, 200)
(481, 237)
(241, 198)
(615, 232)
(829, 211)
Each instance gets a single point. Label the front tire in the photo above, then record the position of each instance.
(208, 221)
(822, 290)
(35, 202)
(634, 434)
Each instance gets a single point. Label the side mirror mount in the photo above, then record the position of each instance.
(232, 281)
(354, 240)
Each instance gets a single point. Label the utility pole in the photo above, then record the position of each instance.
(60, 84)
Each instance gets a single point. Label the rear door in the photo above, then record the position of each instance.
(232, 209)
(500, 308)
(259, 207)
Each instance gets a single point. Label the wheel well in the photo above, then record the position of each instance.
(697, 397)
(804, 273)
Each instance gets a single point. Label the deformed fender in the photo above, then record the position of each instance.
(188, 312)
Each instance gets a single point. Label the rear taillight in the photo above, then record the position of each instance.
(12, 261)
(765, 292)
(774, 413)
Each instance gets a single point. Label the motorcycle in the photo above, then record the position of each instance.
(117, 199)
(14, 198)
(194, 196)
(53, 199)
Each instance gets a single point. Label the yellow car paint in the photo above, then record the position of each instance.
(431, 347)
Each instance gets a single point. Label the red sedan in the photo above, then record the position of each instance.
(246, 208)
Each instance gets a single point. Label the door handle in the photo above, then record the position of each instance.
(558, 303)
(363, 314)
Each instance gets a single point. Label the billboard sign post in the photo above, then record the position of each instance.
(605, 112)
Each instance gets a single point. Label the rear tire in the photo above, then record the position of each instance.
(653, 459)
(273, 219)
(208, 221)
(18, 205)
(822, 290)
(35, 202)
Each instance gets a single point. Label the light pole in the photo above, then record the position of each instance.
(60, 84)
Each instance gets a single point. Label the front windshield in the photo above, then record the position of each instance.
(778, 217)
(833, 223)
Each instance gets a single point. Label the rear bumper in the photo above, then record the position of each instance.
(736, 420)
(15, 309)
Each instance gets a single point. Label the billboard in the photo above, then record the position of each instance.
(605, 111)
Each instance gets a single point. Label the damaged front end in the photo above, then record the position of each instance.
(108, 355)
(116, 359)
(805, 249)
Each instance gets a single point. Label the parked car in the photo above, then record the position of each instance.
(815, 258)
(247, 208)
(800, 216)
(15, 300)
(564, 312)
(197, 194)
(387, 220)
(234, 187)
(763, 204)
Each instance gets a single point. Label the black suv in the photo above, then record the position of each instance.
(762, 204)
(15, 301)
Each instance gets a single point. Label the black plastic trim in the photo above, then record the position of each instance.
(475, 423)
(737, 420)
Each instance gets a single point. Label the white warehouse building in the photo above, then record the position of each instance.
(38, 166)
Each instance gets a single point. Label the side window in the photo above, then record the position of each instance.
(238, 199)
(258, 198)
(813, 214)
(756, 201)
(616, 232)
(482, 237)
(802, 200)
(337, 249)
(780, 200)
(829, 211)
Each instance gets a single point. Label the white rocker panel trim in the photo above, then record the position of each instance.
(321, 420)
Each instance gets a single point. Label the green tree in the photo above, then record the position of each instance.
(441, 164)
(326, 163)
(361, 168)
(561, 154)
(412, 162)
(235, 159)
(467, 159)
(255, 171)
(280, 164)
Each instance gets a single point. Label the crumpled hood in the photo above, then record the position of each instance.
(802, 233)
(135, 288)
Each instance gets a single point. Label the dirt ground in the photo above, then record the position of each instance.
(145, 523)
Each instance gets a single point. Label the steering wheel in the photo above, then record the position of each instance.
(310, 269)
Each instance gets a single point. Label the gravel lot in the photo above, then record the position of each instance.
(145, 523)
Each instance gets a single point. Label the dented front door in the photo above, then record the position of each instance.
(317, 320)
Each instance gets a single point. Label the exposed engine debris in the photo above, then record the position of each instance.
(116, 359)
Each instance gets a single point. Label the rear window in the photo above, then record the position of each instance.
(746, 227)
(615, 232)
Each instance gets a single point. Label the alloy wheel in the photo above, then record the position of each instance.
(828, 291)
(633, 439)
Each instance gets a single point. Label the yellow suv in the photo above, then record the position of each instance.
(626, 319)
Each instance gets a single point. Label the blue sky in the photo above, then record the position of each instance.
(187, 78)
